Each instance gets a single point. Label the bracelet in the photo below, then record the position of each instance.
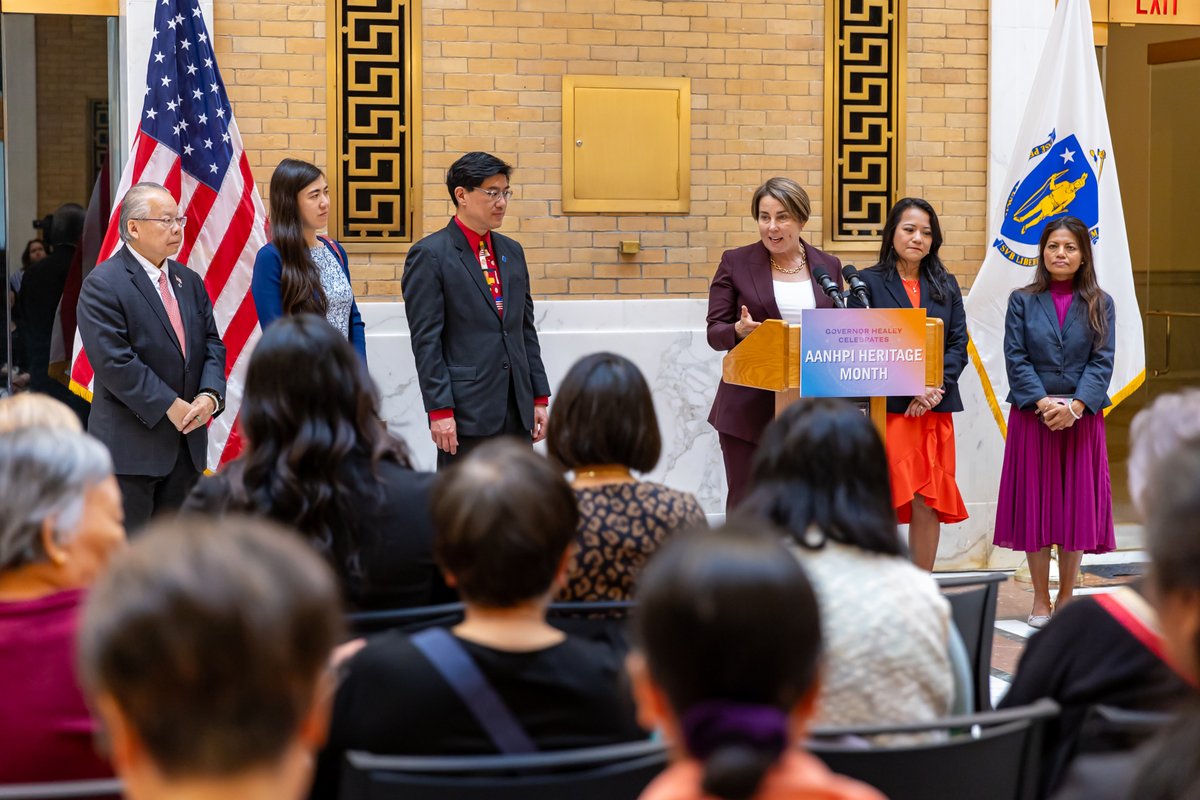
(1071, 408)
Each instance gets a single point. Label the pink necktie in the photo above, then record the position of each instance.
(172, 310)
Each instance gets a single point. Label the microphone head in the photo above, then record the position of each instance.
(848, 270)
(820, 274)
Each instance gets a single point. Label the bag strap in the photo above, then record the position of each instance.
(454, 663)
(333, 246)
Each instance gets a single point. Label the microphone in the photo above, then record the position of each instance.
(829, 287)
(857, 287)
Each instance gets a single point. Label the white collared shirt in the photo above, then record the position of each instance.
(152, 272)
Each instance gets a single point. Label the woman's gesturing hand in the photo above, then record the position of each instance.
(745, 325)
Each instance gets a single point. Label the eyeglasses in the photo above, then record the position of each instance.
(495, 194)
(168, 221)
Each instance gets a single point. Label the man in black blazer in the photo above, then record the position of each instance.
(147, 324)
(470, 316)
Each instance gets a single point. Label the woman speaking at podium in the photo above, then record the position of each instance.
(769, 279)
(920, 430)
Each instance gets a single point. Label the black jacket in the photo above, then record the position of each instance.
(140, 369)
(466, 353)
(887, 291)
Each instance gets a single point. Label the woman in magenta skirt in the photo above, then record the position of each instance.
(1058, 348)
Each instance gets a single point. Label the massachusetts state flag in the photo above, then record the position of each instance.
(188, 142)
(1063, 166)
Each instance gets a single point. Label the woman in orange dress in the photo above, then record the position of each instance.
(920, 430)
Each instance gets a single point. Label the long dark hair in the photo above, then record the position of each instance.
(1172, 766)
(821, 465)
(1085, 277)
(299, 278)
(730, 631)
(309, 407)
(931, 264)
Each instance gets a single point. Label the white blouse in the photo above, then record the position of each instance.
(792, 298)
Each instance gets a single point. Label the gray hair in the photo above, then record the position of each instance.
(136, 204)
(44, 474)
(1155, 433)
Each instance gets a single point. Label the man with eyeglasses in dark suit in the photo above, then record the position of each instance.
(147, 325)
(470, 316)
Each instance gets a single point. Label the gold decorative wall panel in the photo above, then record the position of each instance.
(626, 144)
(372, 64)
(864, 116)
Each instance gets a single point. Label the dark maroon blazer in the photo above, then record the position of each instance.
(744, 279)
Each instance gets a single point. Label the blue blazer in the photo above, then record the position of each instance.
(264, 286)
(887, 291)
(1042, 360)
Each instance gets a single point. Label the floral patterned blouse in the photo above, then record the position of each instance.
(620, 527)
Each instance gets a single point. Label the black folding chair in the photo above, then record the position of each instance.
(91, 790)
(995, 755)
(1108, 729)
(408, 620)
(603, 621)
(973, 609)
(613, 772)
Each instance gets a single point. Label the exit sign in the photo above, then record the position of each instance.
(1162, 12)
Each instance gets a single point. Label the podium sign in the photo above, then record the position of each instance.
(878, 352)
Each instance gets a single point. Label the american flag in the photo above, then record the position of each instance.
(188, 142)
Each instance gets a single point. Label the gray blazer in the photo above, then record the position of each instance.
(1042, 360)
(140, 369)
(466, 352)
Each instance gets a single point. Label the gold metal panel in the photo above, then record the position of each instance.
(373, 58)
(626, 144)
(865, 75)
(84, 8)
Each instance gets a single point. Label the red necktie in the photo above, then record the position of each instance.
(172, 310)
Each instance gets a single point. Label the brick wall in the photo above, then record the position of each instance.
(492, 75)
(72, 69)
(947, 123)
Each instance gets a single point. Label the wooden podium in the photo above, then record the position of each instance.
(769, 358)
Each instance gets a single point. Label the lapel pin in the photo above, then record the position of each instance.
(179, 281)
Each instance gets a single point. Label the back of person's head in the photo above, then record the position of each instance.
(504, 519)
(730, 633)
(309, 404)
(67, 225)
(1155, 432)
(205, 645)
(821, 473)
(1172, 766)
(33, 410)
(45, 477)
(603, 414)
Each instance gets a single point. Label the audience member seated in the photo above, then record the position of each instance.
(1168, 767)
(29, 410)
(603, 428)
(504, 519)
(1106, 649)
(729, 645)
(60, 520)
(204, 652)
(821, 475)
(319, 459)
